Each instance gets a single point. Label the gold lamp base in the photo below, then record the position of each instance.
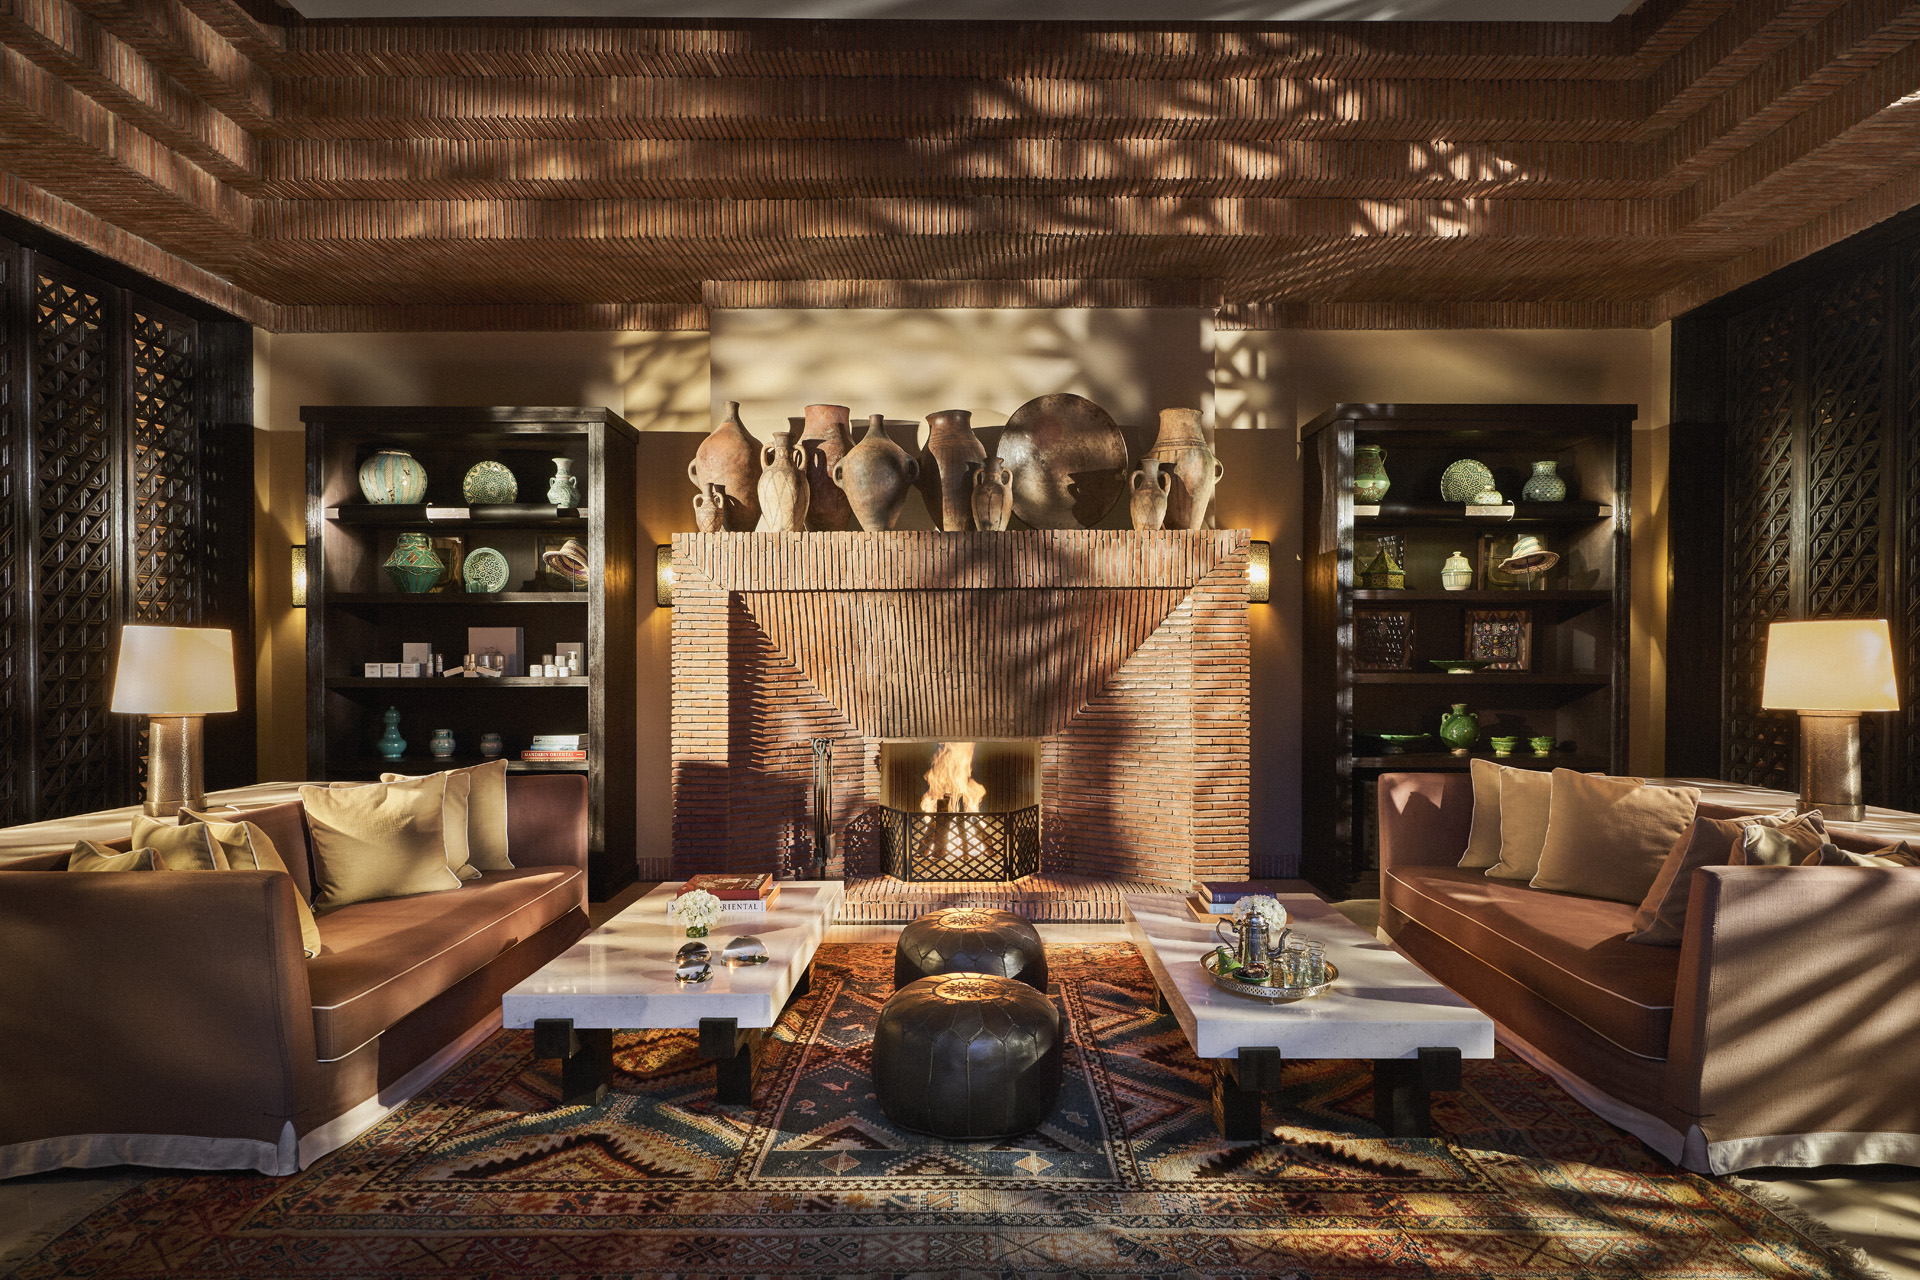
(174, 776)
(1830, 765)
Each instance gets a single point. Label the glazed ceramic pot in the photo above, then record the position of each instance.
(992, 496)
(1456, 574)
(783, 488)
(1370, 483)
(393, 476)
(875, 475)
(441, 744)
(1545, 484)
(710, 510)
(564, 489)
(413, 566)
(1147, 507)
(730, 458)
(490, 746)
(947, 466)
(1459, 729)
(1182, 449)
(824, 441)
(391, 745)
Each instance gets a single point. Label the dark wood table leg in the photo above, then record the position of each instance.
(1240, 1087)
(1403, 1090)
(736, 1058)
(804, 985)
(1160, 1004)
(586, 1058)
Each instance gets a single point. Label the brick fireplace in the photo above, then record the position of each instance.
(1122, 655)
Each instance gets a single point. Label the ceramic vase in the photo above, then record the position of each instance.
(393, 476)
(1182, 450)
(992, 496)
(824, 441)
(441, 744)
(730, 458)
(1456, 574)
(490, 746)
(710, 509)
(947, 467)
(1459, 729)
(1147, 506)
(413, 566)
(1545, 484)
(875, 475)
(1370, 483)
(564, 489)
(783, 488)
(391, 745)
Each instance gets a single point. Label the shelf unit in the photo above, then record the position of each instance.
(1575, 687)
(355, 615)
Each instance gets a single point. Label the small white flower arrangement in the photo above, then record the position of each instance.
(1267, 908)
(699, 911)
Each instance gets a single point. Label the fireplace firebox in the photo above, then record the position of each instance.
(960, 810)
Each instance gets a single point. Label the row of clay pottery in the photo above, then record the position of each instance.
(728, 459)
(875, 476)
(1182, 454)
(952, 458)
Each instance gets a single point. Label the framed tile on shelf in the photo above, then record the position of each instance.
(1502, 638)
(1383, 639)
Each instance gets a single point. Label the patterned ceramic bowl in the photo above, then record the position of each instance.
(489, 482)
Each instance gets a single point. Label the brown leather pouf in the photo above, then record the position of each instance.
(970, 940)
(967, 1055)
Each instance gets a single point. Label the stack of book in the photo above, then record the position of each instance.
(737, 893)
(1215, 899)
(557, 746)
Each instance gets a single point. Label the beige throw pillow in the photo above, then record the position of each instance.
(1483, 839)
(1609, 837)
(88, 856)
(1899, 854)
(248, 848)
(1525, 796)
(1707, 842)
(1787, 846)
(486, 803)
(382, 840)
(458, 793)
(178, 848)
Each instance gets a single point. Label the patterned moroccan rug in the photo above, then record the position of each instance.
(478, 1178)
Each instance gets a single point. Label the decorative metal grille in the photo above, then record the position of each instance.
(1760, 509)
(166, 541)
(1908, 617)
(16, 657)
(961, 846)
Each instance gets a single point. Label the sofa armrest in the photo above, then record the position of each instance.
(547, 819)
(1797, 1005)
(1424, 818)
(163, 1002)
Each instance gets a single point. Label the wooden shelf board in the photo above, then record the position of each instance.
(1542, 514)
(1515, 598)
(426, 764)
(468, 683)
(426, 516)
(424, 599)
(1482, 678)
(1446, 762)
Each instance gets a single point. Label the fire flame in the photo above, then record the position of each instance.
(950, 784)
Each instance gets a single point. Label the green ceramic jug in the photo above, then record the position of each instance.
(1459, 728)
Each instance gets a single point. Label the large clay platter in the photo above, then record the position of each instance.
(1069, 462)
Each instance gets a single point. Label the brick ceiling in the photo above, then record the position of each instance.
(508, 174)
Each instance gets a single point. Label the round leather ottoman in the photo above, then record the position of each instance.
(970, 940)
(967, 1055)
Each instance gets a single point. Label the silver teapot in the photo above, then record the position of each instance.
(1250, 939)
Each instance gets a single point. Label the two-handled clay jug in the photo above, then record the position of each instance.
(992, 496)
(1181, 448)
(1147, 505)
(824, 441)
(783, 489)
(730, 458)
(947, 466)
(875, 475)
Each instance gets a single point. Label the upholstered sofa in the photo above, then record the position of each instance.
(1781, 1032)
(172, 1019)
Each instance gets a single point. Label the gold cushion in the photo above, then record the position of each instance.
(248, 848)
(486, 802)
(1525, 795)
(88, 856)
(178, 848)
(1898, 854)
(1483, 840)
(382, 840)
(1788, 846)
(1608, 837)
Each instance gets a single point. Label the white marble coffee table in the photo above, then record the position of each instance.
(621, 977)
(1383, 1008)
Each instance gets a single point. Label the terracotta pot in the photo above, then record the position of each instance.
(947, 466)
(783, 488)
(824, 442)
(875, 476)
(992, 496)
(1182, 449)
(730, 458)
(710, 510)
(1148, 505)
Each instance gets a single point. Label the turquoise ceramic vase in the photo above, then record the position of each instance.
(393, 476)
(1459, 729)
(413, 566)
(1545, 484)
(391, 745)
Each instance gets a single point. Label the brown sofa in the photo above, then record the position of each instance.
(171, 1019)
(1782, 1031)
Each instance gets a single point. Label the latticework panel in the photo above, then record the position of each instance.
(166, 528)
(15, 656)
(74, 544)
(1907, 613)
(1760, 508)
(961, 846)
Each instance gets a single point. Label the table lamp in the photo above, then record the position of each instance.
(1830, 672)
(174, 676)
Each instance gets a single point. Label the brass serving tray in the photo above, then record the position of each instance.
(1260, 991)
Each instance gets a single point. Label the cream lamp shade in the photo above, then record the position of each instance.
(1839, 665)
(175, 671)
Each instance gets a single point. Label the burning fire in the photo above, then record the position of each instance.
(950, 784)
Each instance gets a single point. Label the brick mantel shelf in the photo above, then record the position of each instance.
(1123, 653)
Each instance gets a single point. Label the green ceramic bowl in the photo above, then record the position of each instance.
(1458, 666)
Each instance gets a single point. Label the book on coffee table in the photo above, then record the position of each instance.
(738, 894)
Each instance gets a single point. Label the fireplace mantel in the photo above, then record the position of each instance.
(1124, 654)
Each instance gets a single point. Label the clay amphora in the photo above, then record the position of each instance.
(730, 458)
(783, 489)
(824, 442)
(875, 476)
(1182, 450)
(947, 466)
(992, 495)
(1148, 505)
(710, 510)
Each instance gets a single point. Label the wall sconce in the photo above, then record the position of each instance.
(1830, 672)
(300, 577)
(1259, 572)
(663, 576)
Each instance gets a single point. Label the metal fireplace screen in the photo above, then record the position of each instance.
(962, 846)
